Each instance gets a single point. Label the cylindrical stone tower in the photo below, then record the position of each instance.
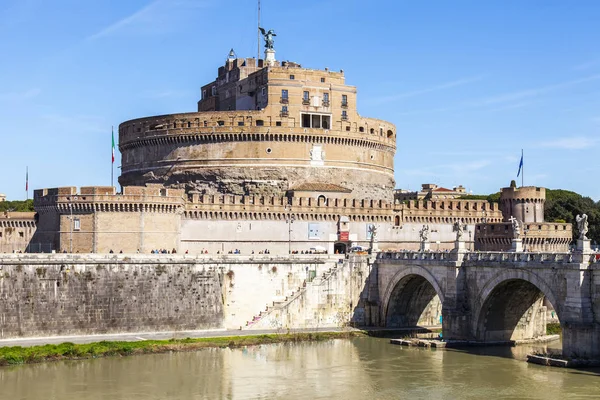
(525, 203)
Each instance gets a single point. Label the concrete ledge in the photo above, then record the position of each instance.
(551, 362)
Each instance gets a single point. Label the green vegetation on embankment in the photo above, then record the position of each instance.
(553, 328)
(70, 351)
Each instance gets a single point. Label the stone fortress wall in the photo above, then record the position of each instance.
(526, 205)
(16, 231)
(98, 220)
(49, 295)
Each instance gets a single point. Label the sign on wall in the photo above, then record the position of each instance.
(314, 232)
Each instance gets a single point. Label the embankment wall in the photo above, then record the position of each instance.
(81, 294)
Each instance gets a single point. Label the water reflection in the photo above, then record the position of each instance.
(346, 369)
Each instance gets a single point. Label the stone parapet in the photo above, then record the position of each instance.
(448, 211)
(105, 199)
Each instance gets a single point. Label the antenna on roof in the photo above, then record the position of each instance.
(258, 35)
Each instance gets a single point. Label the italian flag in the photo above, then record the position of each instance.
(113, 146)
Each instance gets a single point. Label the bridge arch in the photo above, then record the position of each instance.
(508, 307)
(408, 295)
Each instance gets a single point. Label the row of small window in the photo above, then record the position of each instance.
(292, 77)
(306, 97)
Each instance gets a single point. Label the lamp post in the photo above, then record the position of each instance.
(470, 242)
(290, 220)
(71, 218)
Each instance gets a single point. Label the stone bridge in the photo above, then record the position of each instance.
(493, 296)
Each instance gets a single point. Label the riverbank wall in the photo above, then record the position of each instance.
(82, 294)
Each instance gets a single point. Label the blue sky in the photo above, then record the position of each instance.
(467, 83)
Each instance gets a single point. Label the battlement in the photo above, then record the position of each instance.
(105, 198)
(17, 219)
(529, 194)
(228, 207)
(451, 205)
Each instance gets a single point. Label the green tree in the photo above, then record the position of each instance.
(16, 205)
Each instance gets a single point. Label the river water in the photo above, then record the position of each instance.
(361, 368)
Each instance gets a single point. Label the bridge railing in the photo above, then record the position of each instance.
(491, 256)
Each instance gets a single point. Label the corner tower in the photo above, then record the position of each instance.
(525, 203)
(264, 130)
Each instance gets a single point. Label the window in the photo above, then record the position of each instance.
(21, 234)
(325, 97)
(163, 192)
(361, 129)
(214, 90)
(322, 80)
(284, 110)
(240, 123)
(305, 95)
(264, 92)
(227, 94)
(220, 123)
(344, 100)
(203, 94)
(76, 224)
(344, 114)
(284, 93)
(292, 77)
(277, 123)
(260, 122)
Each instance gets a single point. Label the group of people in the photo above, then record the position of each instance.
(163, 251)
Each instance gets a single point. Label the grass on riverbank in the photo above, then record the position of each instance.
(70, 351)
(553, 328)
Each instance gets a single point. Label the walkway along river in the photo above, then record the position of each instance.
(338, 369)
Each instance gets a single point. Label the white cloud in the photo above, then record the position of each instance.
(572, 143)
(155, 17)
(85, 123)
(20, 96)
(587, 65)
(436, 88)
(528, 93)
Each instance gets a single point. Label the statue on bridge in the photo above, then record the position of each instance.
(424, 233)
(516, 227)
(459, 229)
(582, 226)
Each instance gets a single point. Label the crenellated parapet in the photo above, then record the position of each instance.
(231, 207)
(540, 236)
(105, 199)
(448, 211)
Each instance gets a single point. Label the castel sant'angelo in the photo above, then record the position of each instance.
(276, 159)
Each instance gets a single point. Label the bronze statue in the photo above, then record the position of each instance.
(268, 36)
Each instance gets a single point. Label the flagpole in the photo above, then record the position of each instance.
(27, 183)
(112, 158)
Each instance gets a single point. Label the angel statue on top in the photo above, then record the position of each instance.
(582, 226)
(268, 36)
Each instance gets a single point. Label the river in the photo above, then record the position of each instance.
(361, 368)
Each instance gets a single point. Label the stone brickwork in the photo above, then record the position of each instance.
(98, 220)
(48, 295)
(491, 296)
(43, 295)
(263, 131)
(16, 231)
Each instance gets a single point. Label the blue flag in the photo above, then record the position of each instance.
(520, 166)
